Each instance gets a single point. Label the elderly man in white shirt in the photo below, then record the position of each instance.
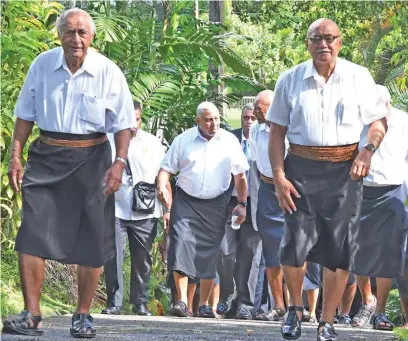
(75, 96)
(322, 106)
(269, 216)
(204, 157)
(137, 222)
(381, 237)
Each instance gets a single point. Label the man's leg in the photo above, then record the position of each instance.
(346, 303)
(87, 282)
(214, 297)
(294, 281)
(248, 257)
(275, 279)
(206, 286)
(113, 271)
(384, 286)
(32, 270)
(181, 283)
(191, 289)
(334, 284)
(226, 265)
(141, 234)
(312, 297)
(369, 304)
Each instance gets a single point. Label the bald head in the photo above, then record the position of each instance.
(265, 96)
(262, 103)
(322, 22)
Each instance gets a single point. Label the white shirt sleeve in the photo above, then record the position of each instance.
(279, 110)
(25, 107)
(119, 104)
(252, 142)
(372, 108)
(171, 161)
(239, 163)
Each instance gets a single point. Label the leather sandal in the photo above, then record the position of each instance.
(292, 327)
(326, 332)
(25, 324)
(382, 319)
(82, 326)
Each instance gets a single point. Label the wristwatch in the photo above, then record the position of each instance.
(370, 147)
(166, 210)
(243, 203)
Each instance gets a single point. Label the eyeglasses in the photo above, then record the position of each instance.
(328, 38)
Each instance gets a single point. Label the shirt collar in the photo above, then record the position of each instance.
(310, 70)
(264, 126)
(89, 65)
(197, 134)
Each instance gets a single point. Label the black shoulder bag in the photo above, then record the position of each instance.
(144, 194)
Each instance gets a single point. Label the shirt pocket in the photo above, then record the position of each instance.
(93, 110)
(349, 111)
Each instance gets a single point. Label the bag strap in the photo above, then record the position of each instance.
(127, 168)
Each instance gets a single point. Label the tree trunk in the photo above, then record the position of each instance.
(217, 14)
(196, 9)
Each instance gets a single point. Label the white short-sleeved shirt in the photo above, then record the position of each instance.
(145, 156)
(326, 114)
(389, 164)
(95, 99)
(259, 136)
(205, 167)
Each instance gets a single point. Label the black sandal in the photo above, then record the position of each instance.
(292, 327)
(326, 332)
(82, 326)
(381, 318)
(21, 325)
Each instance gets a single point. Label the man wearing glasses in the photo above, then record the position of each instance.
(322, 106)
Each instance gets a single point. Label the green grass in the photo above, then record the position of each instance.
(401, 334)
(235, 123)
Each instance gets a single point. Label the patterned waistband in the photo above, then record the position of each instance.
(332, 154)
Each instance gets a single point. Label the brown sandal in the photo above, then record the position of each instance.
(25, 324)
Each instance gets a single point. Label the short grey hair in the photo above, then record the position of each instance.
(63, 17)
(383, 93)
(248, 106)
(211, 107)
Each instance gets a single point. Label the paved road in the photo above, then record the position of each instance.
(121, 328)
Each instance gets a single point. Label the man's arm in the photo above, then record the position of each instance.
(164, 188)
(361, 165)
(113, 177)
(283, 187)
(22, 130)
(241, 186)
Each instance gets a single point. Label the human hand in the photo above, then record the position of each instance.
(284, 190)
(113, 178)
(241, 210)
(361, 164)
(15, 173)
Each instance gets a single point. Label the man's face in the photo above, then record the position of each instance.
(209, 123)
(76, 36)
(324, 43)
(260, 110)
(247, 118)
(138, 116)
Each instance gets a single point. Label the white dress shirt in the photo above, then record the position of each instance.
(95, 99)
(248, 156)
(389, 164)
(145, 156)
(326, 114)
(205, 166)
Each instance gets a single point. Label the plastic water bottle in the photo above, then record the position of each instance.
(233, 222)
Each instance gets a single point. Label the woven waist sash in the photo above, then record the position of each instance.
(72, 143)
(267, 179)
(332, 154)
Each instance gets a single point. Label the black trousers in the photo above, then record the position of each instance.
(141, 234)
(238, 261)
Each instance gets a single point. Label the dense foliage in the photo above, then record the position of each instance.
(169, 58)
